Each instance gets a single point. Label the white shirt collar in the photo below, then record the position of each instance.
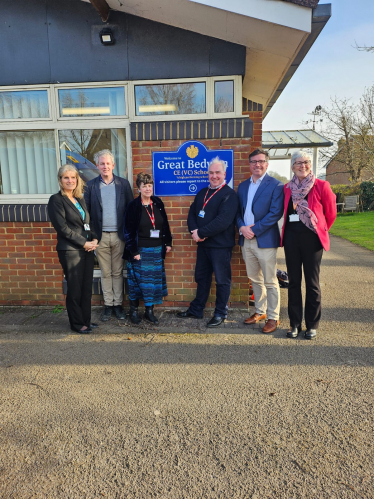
(218, 186)
(259, 180)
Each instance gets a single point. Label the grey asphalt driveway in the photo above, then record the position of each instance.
(179, 411)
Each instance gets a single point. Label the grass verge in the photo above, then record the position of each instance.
(355, 227)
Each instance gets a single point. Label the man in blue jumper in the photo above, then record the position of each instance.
(107, 197)
(211, 222)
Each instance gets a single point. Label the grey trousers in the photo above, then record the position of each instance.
(109, 254)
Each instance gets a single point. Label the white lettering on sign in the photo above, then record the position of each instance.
(162, 165)
(197, 164)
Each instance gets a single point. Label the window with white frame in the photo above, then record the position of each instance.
(27, 104)
(42, 127)
(170, 98)
(88, 102)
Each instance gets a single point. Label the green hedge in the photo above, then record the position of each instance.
(367, 195)
(365, 190)
(342, 190)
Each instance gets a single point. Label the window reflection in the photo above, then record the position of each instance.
(79, 146)
(169, 99)
(224, 96)
(24, 104)
(89, 102)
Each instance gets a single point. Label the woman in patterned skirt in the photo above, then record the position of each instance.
(148, 239)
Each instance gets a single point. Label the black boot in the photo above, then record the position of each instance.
(134, 316)
(149, 315)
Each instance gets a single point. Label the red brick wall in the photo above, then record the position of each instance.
(30, 273)
(336, 175)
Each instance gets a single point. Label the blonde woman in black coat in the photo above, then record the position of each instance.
(75, 245)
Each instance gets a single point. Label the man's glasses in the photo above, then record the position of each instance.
(261, 162)
(301, 163)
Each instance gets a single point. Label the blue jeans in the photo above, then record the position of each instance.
(209, 260)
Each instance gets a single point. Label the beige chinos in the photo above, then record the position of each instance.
(261, 264)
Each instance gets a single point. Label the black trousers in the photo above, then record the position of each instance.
(78, 269)
(209, 260)
(303, 251)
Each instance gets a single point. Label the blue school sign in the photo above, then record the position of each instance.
(185, 172)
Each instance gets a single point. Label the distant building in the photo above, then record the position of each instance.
(335, 170)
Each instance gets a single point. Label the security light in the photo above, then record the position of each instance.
(106, 36)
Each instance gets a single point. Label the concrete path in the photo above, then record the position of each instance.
(180, 411)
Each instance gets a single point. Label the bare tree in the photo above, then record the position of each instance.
(223, 105)
(351, 128)
(182, 96)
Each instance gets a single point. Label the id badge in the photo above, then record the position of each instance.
(155, 233)
(294, 218)
(87, 227)
(202, 214)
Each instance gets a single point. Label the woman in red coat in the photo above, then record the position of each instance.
(309, 212)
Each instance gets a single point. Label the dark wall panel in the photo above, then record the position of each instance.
(24, 57)
(49, 41)
(165, 52)
(76, 53)
(226, 58)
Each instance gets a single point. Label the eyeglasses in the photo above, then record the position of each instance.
(261, 162)
(301, 163)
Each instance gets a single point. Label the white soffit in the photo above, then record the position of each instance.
(218, 23)
(272, 11)
(271, 45)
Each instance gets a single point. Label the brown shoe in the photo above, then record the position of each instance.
(270, 326)
(253, 319)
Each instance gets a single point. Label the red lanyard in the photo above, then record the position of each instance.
(151, 217)
(215, 192)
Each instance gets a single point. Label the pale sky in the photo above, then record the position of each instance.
(331, 68)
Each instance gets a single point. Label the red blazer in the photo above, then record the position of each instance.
(322, 201)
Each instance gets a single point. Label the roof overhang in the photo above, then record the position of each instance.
(277, 34)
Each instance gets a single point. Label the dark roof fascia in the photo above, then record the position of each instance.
(304, 3)
(320, 17)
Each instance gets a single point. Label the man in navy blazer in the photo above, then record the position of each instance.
(107, 197)
(260, 209)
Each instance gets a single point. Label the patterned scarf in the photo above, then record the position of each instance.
(298, 193)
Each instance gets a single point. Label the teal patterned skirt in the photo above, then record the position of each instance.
(146, 277)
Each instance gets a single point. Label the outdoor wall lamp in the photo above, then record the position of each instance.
(107, 37)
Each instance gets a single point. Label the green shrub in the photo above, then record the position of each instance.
(367, 195)
(342, 190)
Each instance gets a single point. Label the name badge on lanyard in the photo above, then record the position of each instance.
(153, 232)
(205, 202)
(87, 227)
(294, 218)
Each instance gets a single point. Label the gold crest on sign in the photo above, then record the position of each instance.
(192, 151)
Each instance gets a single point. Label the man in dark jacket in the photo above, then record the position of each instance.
(211, 221)
(106, 198)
